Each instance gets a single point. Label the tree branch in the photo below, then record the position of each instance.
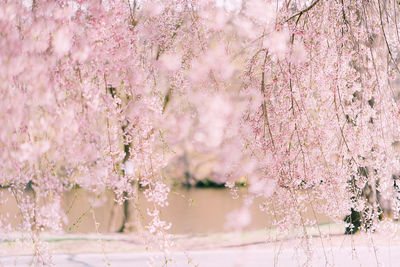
(303, 11)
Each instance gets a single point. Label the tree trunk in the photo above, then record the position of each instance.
(131, 213)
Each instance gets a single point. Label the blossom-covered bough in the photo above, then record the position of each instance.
(299, 97)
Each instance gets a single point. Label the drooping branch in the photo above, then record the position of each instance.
(305, 10)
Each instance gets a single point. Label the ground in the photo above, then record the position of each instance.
(251, 248)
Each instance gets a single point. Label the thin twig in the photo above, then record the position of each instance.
(303, 11)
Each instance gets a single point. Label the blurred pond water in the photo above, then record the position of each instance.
(189, 210)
